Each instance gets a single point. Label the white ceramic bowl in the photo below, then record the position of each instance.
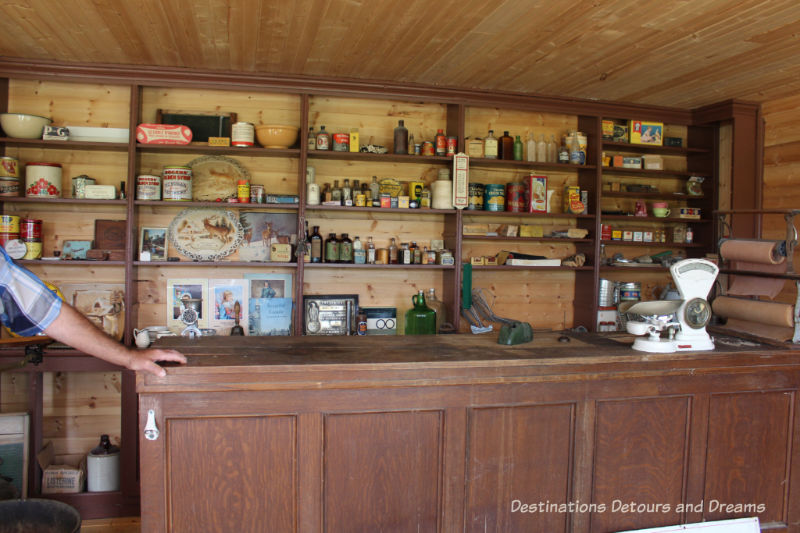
(22, 126)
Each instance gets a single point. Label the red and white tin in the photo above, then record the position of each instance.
(242, 134)
(176, 183)
(148, 187)
(43, 180)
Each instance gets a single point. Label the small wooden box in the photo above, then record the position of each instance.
(109, 234)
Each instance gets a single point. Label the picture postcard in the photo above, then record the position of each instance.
(224, 294)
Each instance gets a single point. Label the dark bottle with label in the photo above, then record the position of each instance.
(440, 143)
(331, 249)
(505, 147)
(393, 259)
(518, 149)
(345, 249)
(316, 246)
(401, 138)
(336, 192)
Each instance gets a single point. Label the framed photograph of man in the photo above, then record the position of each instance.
(154, 242)
(268, 285)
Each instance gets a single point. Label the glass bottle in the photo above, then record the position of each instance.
(437, 305)
(425, 198)
(405, 254)
(417, 253)
(347, 193)
(331, 249)
(323, 139)
(541, 149)
(531, 148)
(345, 249)
(401, 138)
(370, 251)
(440, 142)
(420, 319)
(552, 149)
(563, 152)
(506, 147)
(375, 192)
(490, 146)
(574, 150)
(517, 149)
(312, 139)
(306, 245)
(327, 193)
(393, 252)
(359, 254)
(316, 246)
(410, 144)
(336, 192)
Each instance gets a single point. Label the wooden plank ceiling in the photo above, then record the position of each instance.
(681, 53)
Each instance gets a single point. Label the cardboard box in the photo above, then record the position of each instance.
(653, 162)
(537, 194)
(529, 230)
(280, 253)
(380, 320)
(60, 479)
(475, 229)
(642, 132)
(689, 212)
(608, 130)
(477, 261)
(631, 162)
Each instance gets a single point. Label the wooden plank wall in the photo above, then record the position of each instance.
(781, 188)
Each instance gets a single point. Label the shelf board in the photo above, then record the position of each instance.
(654, 244)
(527, 165)
(26, 199)
(69, 262)
(636, 268)
(675, 196)
(380, 209)
(537, 268)
(380, 267)
(65, 145)
(387, 158)
(469, 212)
(226, 205)
(521, 239)
(203, 149)
(215, 264)
(779, 275)
(632, 218)
(645, 173)
(653, 149)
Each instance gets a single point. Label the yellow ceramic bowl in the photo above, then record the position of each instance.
(276, 136)
(22, 126)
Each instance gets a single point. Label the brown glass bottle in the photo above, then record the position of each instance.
(316, 245)
(401, 138)
(331, 249)
(506, 147)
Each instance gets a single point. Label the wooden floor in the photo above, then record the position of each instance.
(112, 525)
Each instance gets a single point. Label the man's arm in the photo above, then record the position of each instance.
(72, 328)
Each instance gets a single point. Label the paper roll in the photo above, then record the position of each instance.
(753, 251)
(759, 311)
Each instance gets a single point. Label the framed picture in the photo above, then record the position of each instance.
(183, 294)
(153, 241)
(102, 303)
(330, 314)
(223, 295)
(262, 230)
(269, 285)
(75, 249)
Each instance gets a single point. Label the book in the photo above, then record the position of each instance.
(270, 316)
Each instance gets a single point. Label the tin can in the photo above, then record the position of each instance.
(341, 142)
(630, 291)
(43, 180)
(494, 197)
(256, 194)
(417, 149)
(9, 186)
(427, 148)
(605, 232)
(9, 224)
(475, 147)
(176, 183)
(5, 237)
(148, 187)
(515, 197)
(9, 167)
(475, 202)
(243, 191)
(79, 184)
(242, 134)
(33, 250)
(30, 229)
(452, 145)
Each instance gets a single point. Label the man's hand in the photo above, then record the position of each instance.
(144, 360)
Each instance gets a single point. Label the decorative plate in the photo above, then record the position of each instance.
(215, 177)
(206, 234)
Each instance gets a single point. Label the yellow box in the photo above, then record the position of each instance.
(280, 253)
(642, 132)
(528, 230)
(402, 202)
(415, 189)
(477, 261)
(490, 260)
(475, 229)
(219, 141)
(354, 146)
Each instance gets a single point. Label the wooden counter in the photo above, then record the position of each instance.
(457, 433)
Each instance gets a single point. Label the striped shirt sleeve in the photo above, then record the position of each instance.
(28, 305)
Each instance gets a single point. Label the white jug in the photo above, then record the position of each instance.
(141, 337)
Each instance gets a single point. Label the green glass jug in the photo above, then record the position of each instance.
(420, 319)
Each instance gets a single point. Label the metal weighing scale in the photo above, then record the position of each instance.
(685, 320)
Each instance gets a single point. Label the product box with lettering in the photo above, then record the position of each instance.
(536, 187)
(280, 253)
(60, 479)
(380, 320)
(642, 132)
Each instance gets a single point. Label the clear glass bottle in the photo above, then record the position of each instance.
(506, 147)
(517, 149)
(323, 139)
(345, 249)
(370, 251)
(359, 254)
(312, 139)
(331, 249)
(327, 193)
(393, 259)
(541, 149)
(417, 251)
(316, 245)
(406, 256)
(552, 149)
(420, 319)
(574, 150)
(490, 149)
(563, 152)
(438, 306)
(336, 192)
(375, 192)
(531, 148)
(425, 198)
(401, 138)
(347, 193)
